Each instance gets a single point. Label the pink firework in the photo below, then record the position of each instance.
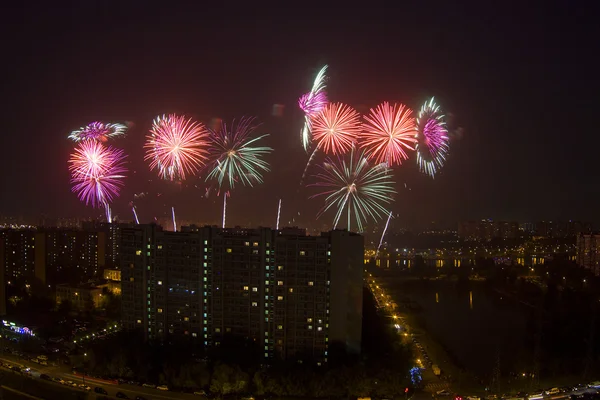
(99, 131)
(176, 146)
(97, 172)
(312, 103)
(387, 133)
(336, 128)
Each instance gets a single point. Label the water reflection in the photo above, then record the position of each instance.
(467, 333)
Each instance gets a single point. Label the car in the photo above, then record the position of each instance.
(200, 393)
(553, 391)
(100, 390)
(45, 377)
(122, 395)
(84, 387)
(140, 398)
(595, 384)
(443, 393)
(163, 387)
(149, 385)
(536, 396)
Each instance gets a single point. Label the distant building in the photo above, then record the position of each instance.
(588, 252)
(82, 297)
(486, 230)
(558, 229)
(294, 293)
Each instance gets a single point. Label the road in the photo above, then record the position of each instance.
(130, 390)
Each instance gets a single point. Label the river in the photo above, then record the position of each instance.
(477, 326)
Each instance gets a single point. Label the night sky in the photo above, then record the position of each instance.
(520, 81)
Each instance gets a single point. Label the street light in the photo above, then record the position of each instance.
(84, 356)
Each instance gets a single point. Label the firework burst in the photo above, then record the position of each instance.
(235, 157)
(97, 172)
(356, 188)
(432, 138)
(312, 103)
(387, 133)
(176, 146)
(336, 128)
(98, 131)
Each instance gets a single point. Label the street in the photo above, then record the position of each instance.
(64, 373)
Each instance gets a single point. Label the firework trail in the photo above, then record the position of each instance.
(225, 196)
(354, 187)
(174, 221)
(98, 131)
(388, 132)
(310, 160)
(432, 138)
(383, 234)
(97, 173)
(234, 155)
(176, 146)
(137, 221)
(312, 103)
(108, 213)
(278, 214)
(336, 128)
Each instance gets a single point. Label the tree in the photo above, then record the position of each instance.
(228, 379)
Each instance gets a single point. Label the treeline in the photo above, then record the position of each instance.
(236, 366)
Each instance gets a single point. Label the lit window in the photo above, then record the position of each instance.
(280, 268)
(160, 310)
(255, 289)
(310, 327)
(160, 282)
(320, 321)
(302, 252)
(254, 304)
(138, 252)
(291, 290)
(186, 319)
(247, 244)
(159, 247)
(279, 283)
(255, 244)
(311, 283)
(229, 250)
(279, 327)
(319, 329)
(194, 334)
(279, 298)
(309, 320)
(245, 287)
(217, 330)
(139, 321)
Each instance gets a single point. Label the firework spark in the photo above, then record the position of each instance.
(97, 172)
(388, 132)
(432, 138)
(176, 146)
(355, 187)
(98, 131)
(336, 128)
(234, 155)
(312, 103)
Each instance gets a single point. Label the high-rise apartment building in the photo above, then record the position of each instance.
(294, 294)
(43, 253)
(588, 252)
